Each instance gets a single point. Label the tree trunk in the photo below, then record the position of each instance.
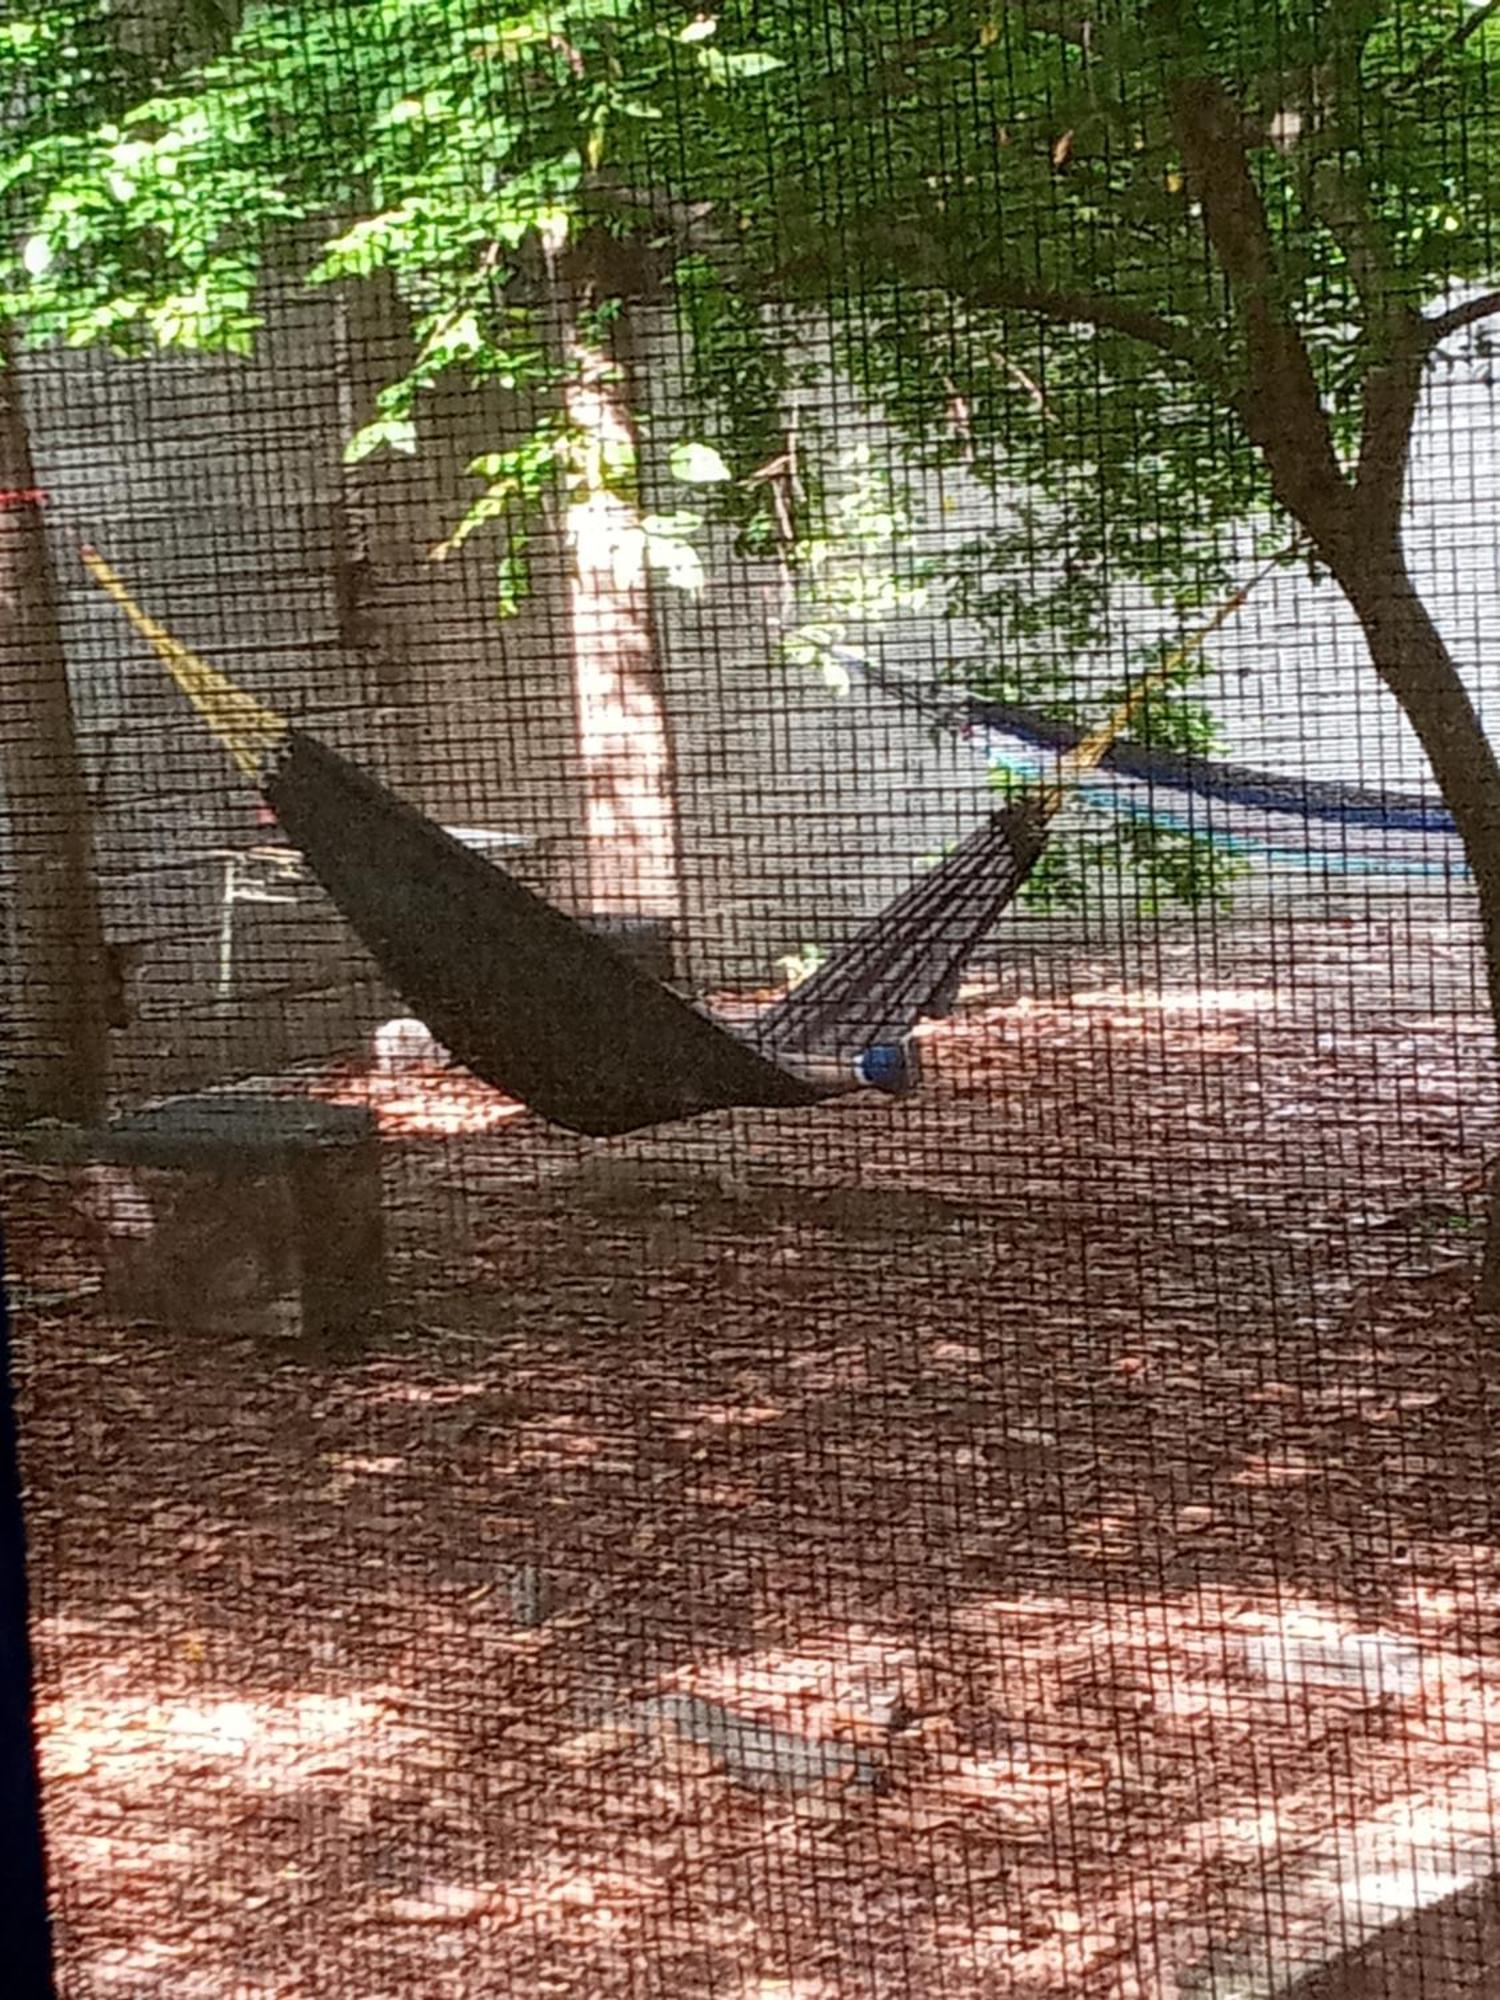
(625, 735)
(56, 975)
(624, 732)
(1412, 658)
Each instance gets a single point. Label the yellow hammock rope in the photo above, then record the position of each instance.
(1095, 747)
(249, 731)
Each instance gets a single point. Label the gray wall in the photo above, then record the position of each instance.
(217, 489)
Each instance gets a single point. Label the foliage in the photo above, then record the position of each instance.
(1162, 865)
(1005, 210)
(991, 206)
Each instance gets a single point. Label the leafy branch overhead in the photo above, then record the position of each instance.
(1141, 270)
(1031, 181)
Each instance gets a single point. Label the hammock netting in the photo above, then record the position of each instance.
(554, 1014)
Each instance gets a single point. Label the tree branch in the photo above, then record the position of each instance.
(695, 225)
(1094, 309)
(1279, 404)
(907, 248)
(1341, 203)
(1395, 343)
(1437, 329)
(691, 225)
(1389, 410)
(1435, 59)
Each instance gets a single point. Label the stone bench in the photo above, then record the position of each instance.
(239, 1215)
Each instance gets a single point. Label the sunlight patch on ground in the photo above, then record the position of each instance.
(726, 1416)
(136, 1746)
(851, 1689)
(438, 1394)
(574, 1902)
(784, 1989)
(417, 1102)
(1182, 1000)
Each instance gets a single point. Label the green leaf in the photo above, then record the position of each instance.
(697, 465)
(739, 67)
(397, 434)
(683, 521)
(678, 561)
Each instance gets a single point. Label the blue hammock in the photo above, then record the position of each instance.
(1283, 821)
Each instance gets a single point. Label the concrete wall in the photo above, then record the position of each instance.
(217, 489)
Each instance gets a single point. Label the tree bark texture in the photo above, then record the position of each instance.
(625, 733)
(55, 973)
(1412, 659)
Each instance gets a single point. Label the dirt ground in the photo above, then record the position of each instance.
(985, 1545)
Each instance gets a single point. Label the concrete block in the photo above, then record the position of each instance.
(240, 1215)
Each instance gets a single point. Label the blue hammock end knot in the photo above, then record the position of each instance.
(893, 1067)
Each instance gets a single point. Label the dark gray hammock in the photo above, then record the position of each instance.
(555, 1015)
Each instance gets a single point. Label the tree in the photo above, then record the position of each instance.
(1163, 264)
(58, 1001)
(60, 71)
(57, 987)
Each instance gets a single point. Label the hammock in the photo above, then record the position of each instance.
(1286, 821)
(551, 1012)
